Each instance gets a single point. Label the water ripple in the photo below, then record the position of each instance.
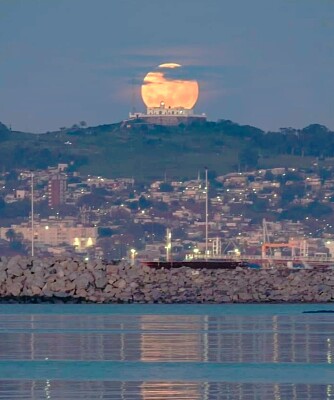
(182, 353)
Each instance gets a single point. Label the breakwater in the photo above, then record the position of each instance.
(26, 279)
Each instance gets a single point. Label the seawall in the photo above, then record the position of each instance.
(69, 280)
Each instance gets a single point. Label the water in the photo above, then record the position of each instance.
(161, 352)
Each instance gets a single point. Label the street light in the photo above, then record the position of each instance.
(133, 253)
(206, 213)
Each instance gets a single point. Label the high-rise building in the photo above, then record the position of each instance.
(56, 190)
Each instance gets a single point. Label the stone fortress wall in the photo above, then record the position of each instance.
(57, 280)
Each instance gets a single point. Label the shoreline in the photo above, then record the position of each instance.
(74, 300)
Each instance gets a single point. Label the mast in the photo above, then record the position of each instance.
(32, 214)
(264, 237)
(206, 213)
(168, 244)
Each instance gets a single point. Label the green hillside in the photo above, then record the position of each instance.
(146, 152)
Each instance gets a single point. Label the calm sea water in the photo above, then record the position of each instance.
(161, 352)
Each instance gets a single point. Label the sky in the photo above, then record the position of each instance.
(267, 63)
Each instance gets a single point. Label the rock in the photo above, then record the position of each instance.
(35, 290)
(101, 282)
(73, 276)
(99, 266)
(112, 280)
(60, 273)
(62, 294)
(57, 286)
(46, 292)
(120, 284)
(3, 276)
(37, 281)
(13, 261)
(14, 269)
(38, 269)
(81, 293)
(114, 293)
(108, 289)
(155, 294)
(111, 270)
(51, 278)
(82, 282)
(69, 286)
(14, 289)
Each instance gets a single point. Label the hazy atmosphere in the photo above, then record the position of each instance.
(264, 63)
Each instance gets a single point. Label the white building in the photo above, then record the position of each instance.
(163, 115)
(55, 233)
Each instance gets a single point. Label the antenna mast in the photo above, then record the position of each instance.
(206, 213)
(32, 215)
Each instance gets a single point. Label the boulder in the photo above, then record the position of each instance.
(57, 286)
(101, 282)
(35, 290)
(69, 286)
(60, 273)
(14, 288)
(121, 283)
(14, 269)
(38, 281)
(82, 281)
(3, 276)
(133, 285)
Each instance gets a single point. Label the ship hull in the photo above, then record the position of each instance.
(198, 264)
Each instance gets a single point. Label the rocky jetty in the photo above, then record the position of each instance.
(68, 280)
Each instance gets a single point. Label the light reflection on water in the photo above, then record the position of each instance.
(180, 357)
(75, 390)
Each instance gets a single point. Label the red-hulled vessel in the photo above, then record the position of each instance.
(197, 264)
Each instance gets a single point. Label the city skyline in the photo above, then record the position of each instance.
(267, 64)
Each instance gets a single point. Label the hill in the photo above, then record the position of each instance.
(149, 152)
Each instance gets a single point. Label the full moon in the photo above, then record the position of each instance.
(167, 84)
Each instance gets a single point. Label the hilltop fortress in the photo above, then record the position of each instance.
(169, 97)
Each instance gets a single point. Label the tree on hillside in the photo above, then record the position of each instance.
(291, 192)
(4, 132)
(12, 176)
(317, 209)
(91, 200)
(143, 203)
(269, 176)
(248, 158)
(104, 231)
(20, 208)
(233, 129)
(15, 240)
(298, 213)
(2, 204)
(166, 187)
(10, 235)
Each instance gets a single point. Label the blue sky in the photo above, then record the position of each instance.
(268, 63)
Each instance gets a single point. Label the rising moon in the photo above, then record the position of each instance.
(168, 85)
